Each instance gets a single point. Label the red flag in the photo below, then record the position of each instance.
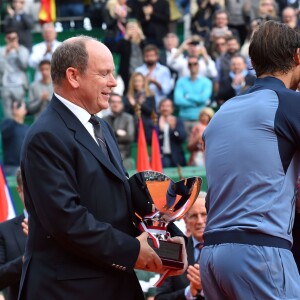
(7, 210)
(142, 150)
(156, 163)
(47, 11)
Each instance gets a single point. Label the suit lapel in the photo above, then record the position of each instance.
(84, 138)
(190, 251)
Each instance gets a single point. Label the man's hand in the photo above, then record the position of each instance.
(147, 260)
(25, 226)
(194, 278)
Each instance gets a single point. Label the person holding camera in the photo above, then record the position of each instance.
(23, 22)
(194, 46)
(13, 71)
(13, 131)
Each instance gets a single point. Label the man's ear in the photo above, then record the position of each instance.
(72, 77)
(297, 56)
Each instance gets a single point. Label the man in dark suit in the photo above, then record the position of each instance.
(82, 240)
(171, 136)
(12, 247)
(188, 286)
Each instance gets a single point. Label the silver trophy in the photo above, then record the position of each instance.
(160, 201)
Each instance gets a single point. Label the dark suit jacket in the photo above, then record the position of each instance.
(81, 242)
(123, 48)
(226, 91)
(12, 247)
(177, 138)
(173, 287)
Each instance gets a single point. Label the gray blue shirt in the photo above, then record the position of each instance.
(252, 161)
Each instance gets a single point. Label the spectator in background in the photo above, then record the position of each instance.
(202, 21)
(290, 17)
(20, 20)
(122, 124)
(130, 49)
(282, 4)
(223, 62)
(171, 135)
(221, 26)
(184, 7)
(239, 17)
(40, 91)
(188, 285)
(44, 49)
(70, 8)
(175, 16)
(195, 143)
(158, 76)
(238, 80)
(218, 47)
(13, 71)
(252, 27)
(154, 16)
(115, 16)
(192, 93)
(140, 99)
(194, 46)
(267, 10)
(13, 131)
(95, 12)
(167, 55)
(12, 247)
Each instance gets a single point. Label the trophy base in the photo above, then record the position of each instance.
(170, 253)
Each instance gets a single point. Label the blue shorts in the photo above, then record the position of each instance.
(241, 271)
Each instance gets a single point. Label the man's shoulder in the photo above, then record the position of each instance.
(127, 116)
(38, 46)
(142, 69)
(162, 68)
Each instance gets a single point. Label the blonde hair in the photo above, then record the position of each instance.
(208, 111)
(131, 88)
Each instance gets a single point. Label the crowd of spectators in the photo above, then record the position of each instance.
(174, 79)
(192, 53)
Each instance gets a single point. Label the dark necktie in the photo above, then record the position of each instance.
(99, 134)
(198, 247)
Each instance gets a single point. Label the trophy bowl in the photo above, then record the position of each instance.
(158, 202)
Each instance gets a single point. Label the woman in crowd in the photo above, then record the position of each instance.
(130, 50)
(140, 100)
(115, 17)
(195, 143)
